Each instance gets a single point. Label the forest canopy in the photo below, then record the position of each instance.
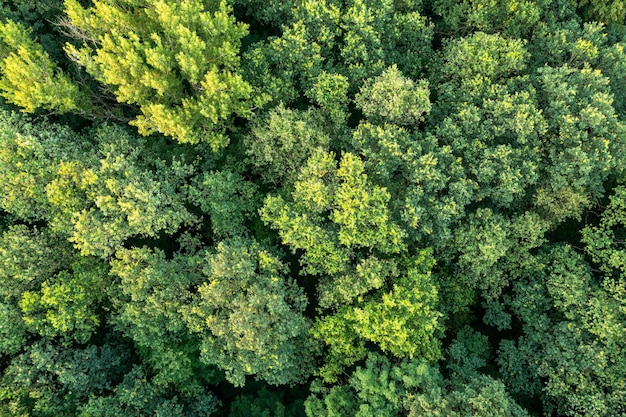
(276, 208)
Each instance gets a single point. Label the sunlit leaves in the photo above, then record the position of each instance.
(31, 80)
(178, 62)
(121, 195)
(67, 304)
(402, 319)
(395, 98)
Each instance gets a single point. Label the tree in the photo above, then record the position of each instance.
(584, 140)
(604, 242)
(31, 80)
(249, 316)
(28, 155)
(148, 303)
(571, 352)
(491, 117)
(333, 213)
(100, 188)
(607, 11)
(511, 17)
(394, 98)
(178, 62)
(29, 258)
(410, 387)
(280, 143)
(282, 68)
(123, 191)
(356, 40)
(67, 305)
(137, 396)
(229, 200)
(402, 320)
(54, 381)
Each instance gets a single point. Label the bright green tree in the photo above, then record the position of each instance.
(125, 190)
(177, 62)
(67, 305)
(401, 319)
(29, 153)
(29, 257)
(31, 80)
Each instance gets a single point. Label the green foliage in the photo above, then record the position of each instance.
(357, 41)
(137, 396)
(368, 47)
(605, 241)
(28, 155)
(122, 193)
(581, 45)
(280, 143)
(31, 80)
(228, 199)
(492, 118)
(467, 354)
(573, 337)
(512, 17)
(343, 193)
(412, 388)
(67, 305)
(248, 316)
(402, 321)
(394, 98)
(178, 62)
(149, 301)
(54, 381)
(29, 258)
(426, 180)
(607, 11)
(481, 397)
(99, 193)
(583, 141)
(335, 211)
(330, 92)
(482, 58)
(492, 248)
(31, 12)
(280, 68)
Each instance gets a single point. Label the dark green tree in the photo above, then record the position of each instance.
(249, 318)
(571, 353)
(409, 388)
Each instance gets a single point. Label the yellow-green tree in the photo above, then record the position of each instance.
(177, 61)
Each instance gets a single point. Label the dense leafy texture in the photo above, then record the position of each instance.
(316, 207)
